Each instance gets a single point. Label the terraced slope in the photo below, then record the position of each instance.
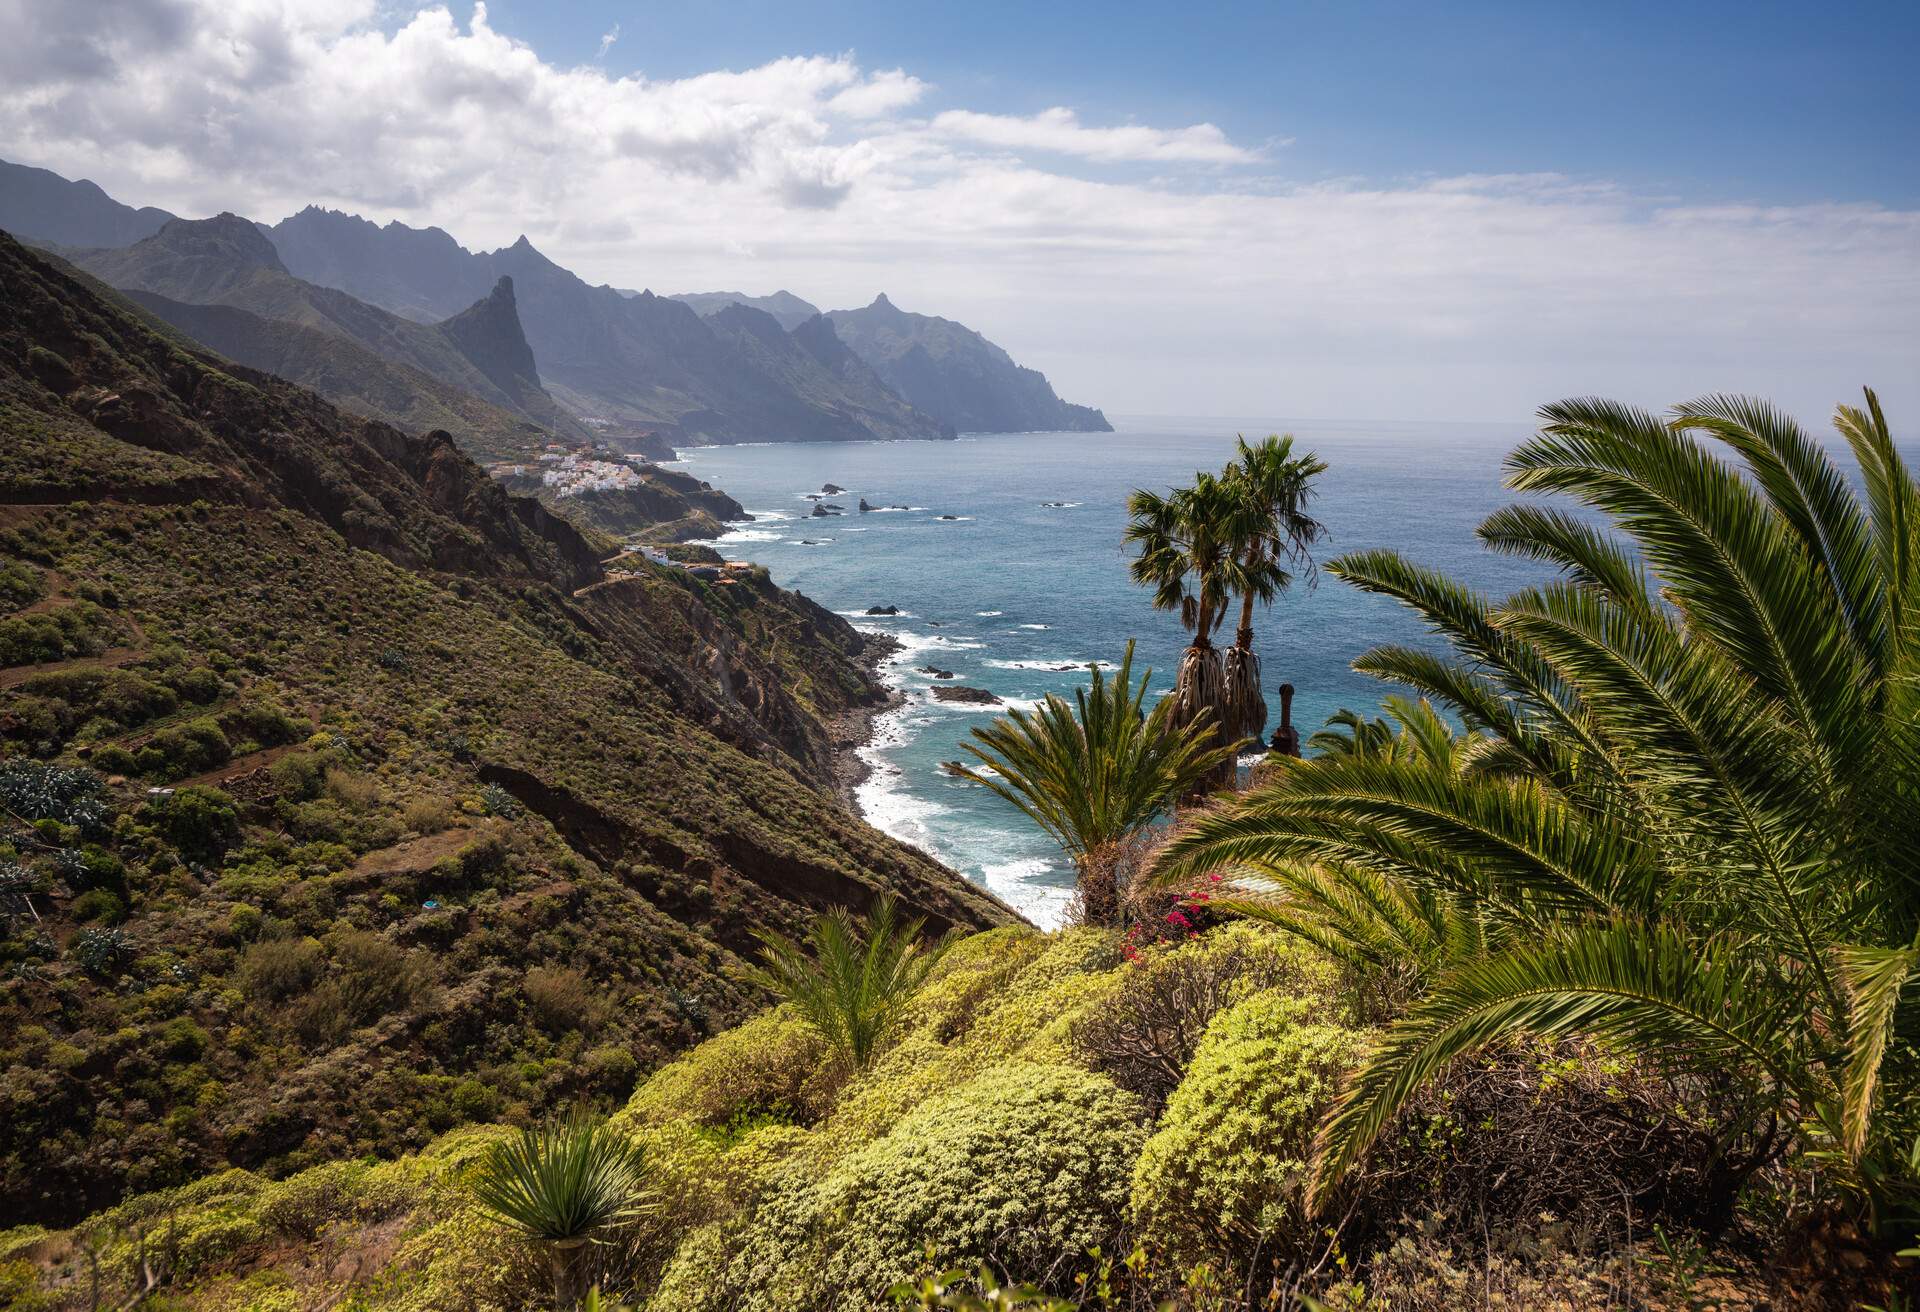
(448, 841)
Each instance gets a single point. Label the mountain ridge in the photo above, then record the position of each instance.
(230, 261)
(952, 371)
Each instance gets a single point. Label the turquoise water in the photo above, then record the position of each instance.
(1011, 588)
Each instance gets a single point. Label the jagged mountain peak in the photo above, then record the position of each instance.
(489, 334)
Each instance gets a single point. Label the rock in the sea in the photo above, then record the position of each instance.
(971, 696)
(831, 489)
(936, 671)
(864, 507)
(946, 516)
(955, 768)
(821, 510)
(883, 610)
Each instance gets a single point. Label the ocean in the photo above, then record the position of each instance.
(1012, 588)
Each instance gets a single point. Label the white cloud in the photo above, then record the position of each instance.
(1220, 287)
(607, 39)
(879, 95)
(1058, 131)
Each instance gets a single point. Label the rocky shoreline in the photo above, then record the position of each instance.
(852, 729)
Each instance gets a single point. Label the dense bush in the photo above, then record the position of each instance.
(80, 629)
(561, 999)
(202, 822)
(1222, 1176)
(1145, 1032)
(367, 977)
(20, 584)
(1024, 1167)
(184, 749)
(768, 1065)
(276, 969)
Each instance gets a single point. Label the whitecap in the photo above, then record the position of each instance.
(1036, 626)
(749, 535)
(1024, 884)
(1058, 666)
(989, 614)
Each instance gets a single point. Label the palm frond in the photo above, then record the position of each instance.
(1650, 984)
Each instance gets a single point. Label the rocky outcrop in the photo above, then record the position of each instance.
(967, 696)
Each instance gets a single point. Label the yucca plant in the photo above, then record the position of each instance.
(1691, 828)
(1096, 771)
(852, 976)
(563, 1185)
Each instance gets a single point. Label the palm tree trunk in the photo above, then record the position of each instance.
(1243, 709)
(1098, 886)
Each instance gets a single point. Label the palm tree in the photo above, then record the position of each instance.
(1690, 826)
(852, 978)
(1186, 541)
(562, 1185)
(1096, 771)
(1273, 535)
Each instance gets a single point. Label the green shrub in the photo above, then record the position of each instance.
(1224, 1172)
(297, 777)
(98, 904)
(1024, 1167)
(367, 977)
(190, 748)
(1144, 1034)
(202, 822)
(767, 1064)
(20, 584)
(262, 722)
(275, 969)
(560, 999)
(115, 760)
(429, 815)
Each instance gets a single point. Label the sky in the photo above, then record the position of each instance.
(1323, 210)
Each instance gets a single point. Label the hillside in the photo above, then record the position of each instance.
(229, 261)
(452, 822)
(789, 310)
(953, 373)
(40, 205)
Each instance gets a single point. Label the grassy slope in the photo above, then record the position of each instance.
(568, 778)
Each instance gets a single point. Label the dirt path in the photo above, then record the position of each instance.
(240, 765)
(106, 660)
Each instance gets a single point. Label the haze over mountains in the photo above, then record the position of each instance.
(707, 367)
